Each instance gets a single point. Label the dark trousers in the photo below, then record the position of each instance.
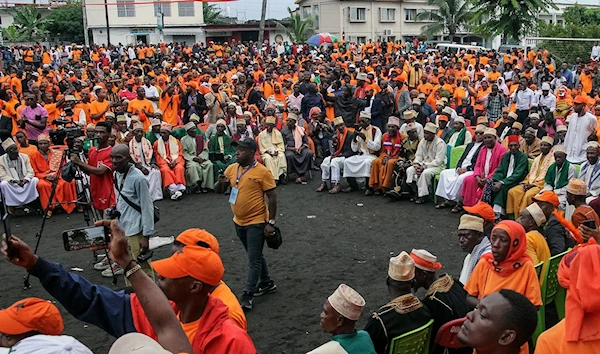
(253, 239)
(522, 115)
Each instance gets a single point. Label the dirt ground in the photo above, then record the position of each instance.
(349, 241)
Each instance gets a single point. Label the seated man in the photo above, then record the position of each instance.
(554, 232)
(382, 167)
(220, 150)
(445, 298)
(169, 158)
(530, 146)
(576, 195)
(154, 134)
(429, 160)
(198, 168)
(404, 312)
(409, 119)
(503, 322)
(366, 144)
(272, 150)
(578, 331)
(590, 171)
(24, 146)
(407, 155)
(181, 132)
(340, 313)
(520, 196)
(516, 129)
(46, 165)
(142, 155)
(511, 171)
(472, 240)
(531, 219)
(444, 130)
(559, 174)
(123, 135)
(460, 135)
(18, 182)
(451, 180)
(242, 130)
(298, 156)
(332, 165)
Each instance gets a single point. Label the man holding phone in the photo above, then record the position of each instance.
(33, 119)
(134, 206)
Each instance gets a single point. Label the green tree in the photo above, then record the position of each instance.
(12, 34)
(212, 13)
(451, 16)
(581, 15)
(30, 22)
(66, 23)
(513, 18)
(299, 30)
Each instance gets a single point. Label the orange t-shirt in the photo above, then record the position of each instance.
(97, 107)
(190, 328)
(137, 107)
(53, 113)
(46, 58)
(553, 341)
(170, 107)
(236, 314)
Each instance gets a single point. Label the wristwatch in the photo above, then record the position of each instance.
(272, 222)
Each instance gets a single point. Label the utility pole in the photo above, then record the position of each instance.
(107, 24)
(86, 36)
(261, 27)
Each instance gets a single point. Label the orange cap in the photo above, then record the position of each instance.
(192, 261)
(547, 196)
(442, 117)
(31, 314)
(191, 237)
(580, 99)
(481, 209)
(214, 81)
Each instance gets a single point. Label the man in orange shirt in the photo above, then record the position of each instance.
(99, 107)
(141, 107)
(169, 104)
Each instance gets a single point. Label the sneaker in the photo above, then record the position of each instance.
(102, 265)
(177, 195)
(247, 302)
(266, 288)
(107, 273)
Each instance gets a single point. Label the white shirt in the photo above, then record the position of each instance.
(467, 161)
(523, 99)
(151, 91)
(580, 128)
(420, 130)
(595, 52)
(546, 101)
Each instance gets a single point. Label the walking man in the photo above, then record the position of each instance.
(250, 182)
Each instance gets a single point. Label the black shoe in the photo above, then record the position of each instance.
(283, 180)
(247, 302)
(266, 288)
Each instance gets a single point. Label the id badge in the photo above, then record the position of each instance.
(233, 195)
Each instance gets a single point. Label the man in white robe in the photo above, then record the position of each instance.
(142, 155)
(366, 143)
(590, 171)
(429, 160)
(582, 124)
(272, 150)
(451, 180)
(18, 184)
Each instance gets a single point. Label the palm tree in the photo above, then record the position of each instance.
(211, 13)
(29, 21)
(299, 30)
(12, 34)
(450, 16)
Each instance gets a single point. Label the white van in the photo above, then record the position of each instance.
(455, 48)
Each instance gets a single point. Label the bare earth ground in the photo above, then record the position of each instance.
(345, 243)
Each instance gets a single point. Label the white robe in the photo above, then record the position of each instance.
(13, 194)
(580, 128)
(432, 156)
(153, 177)
(360, 165)
(450, 184)
(590, 174)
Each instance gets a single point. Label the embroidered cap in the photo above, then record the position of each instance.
(189, 125)
(347, 302)
(269, 120)
(337, 121)
(548, 140)
(401, 267)
(8, 143)
(394, 121)
(536, 213)
(430, 127)
(577, 187)
(471, 222)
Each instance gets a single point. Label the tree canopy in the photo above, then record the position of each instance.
(298, 30)
(450, 16)
(66, 23)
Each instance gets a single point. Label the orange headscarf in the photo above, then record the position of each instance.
(578, 272)
(516, 256)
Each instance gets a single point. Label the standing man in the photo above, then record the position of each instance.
(250, 182)
(582, 124)
(523, 98)
(33, 119)
(134, 205)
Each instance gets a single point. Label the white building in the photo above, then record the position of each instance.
(132, 22)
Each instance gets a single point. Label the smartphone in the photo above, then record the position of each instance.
(590, 223)
(85, 238)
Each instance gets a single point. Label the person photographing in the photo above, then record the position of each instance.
(250, 182)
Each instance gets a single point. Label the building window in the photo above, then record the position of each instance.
(410, 15)
(186, 9)
(166, 9)
(305, 12)
(427, 17)
(125, 8)
(358, 14)
(387, 15)
(316, 12)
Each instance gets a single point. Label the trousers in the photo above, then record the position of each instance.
(253, 239)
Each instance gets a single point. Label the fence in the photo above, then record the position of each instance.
(564, 49)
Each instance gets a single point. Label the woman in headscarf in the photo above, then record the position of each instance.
(278, 99)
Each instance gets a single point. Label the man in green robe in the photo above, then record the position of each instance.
(154, 133)
(512, 170)
(559, 174)
(460, 135)
(198, 168)
(179, 133)
(221, 153)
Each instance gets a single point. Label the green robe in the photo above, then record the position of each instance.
(355, 343)
(181, 132)
(200, 174)
(151, 137)
(213, 146)
(520, 171)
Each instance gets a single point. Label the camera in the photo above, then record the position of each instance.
(112, 213)
(66, 129)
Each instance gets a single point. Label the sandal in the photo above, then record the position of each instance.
(420, 201)
(322, 187)
(457, 209)
(442, 205)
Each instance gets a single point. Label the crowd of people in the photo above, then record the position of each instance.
(510, 140)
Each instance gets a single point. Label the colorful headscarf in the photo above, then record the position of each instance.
(516, 256)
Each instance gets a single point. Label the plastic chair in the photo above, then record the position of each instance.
(454, 156)
(538, 271)
(577, 169)
(413, 342)
(550, 288)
